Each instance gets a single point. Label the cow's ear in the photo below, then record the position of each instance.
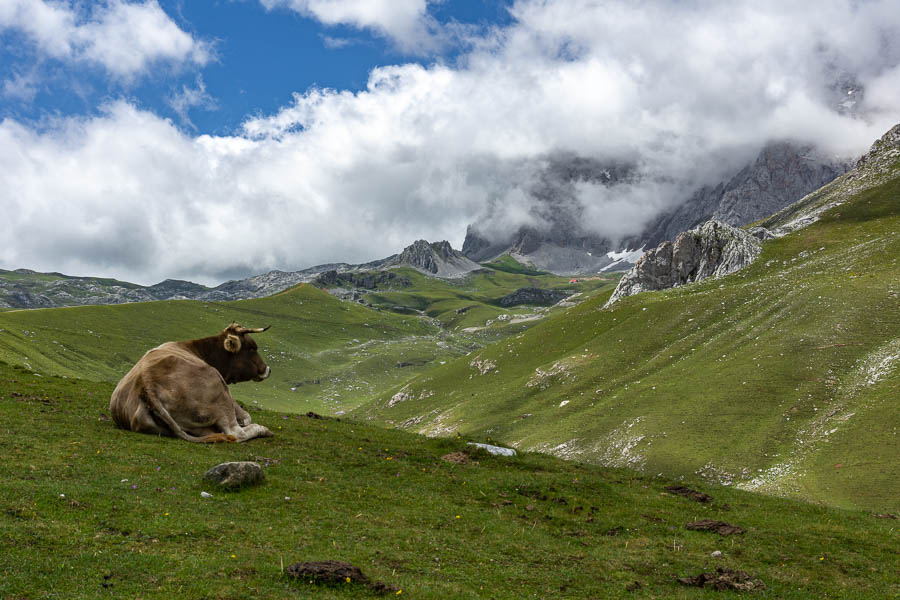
(232, 343)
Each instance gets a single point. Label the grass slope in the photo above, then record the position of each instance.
(90, 511)
(782, 377)
(326, 355)
(333, 354)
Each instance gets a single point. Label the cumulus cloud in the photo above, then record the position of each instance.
(121, 37)
(680, 93)
(405, 22)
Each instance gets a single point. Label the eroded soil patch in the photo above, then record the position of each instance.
(335, 572)
(725, 579)
(686, 492)
(720, 527)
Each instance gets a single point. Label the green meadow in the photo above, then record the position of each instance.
(91, 511)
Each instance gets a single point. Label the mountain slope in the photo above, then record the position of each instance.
(781, 377)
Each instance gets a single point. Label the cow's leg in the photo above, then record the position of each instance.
(249, 432)
(242, 416)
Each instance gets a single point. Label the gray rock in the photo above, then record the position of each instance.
(712, 250)
(495, 450)
(234, 475)
(761, 233)
(533, 296)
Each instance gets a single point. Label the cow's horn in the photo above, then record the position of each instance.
(243, 330)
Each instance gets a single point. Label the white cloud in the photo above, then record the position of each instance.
(124, 38)
(681, 91)
(21, 86)
(406, 22)
(191, 97)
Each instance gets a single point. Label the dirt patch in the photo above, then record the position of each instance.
(720, 527)
(313, 415)
(457, 458)
(686, 492)
(885, 516)
(725, 579)
(334, 572)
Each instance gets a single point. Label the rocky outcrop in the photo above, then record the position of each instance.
(368, 280)
(714, 249)
(533, 296)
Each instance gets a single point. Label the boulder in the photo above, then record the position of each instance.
(235, 475)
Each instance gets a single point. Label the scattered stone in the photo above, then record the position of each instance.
(686, 492)
(335, 572)
(720, 527)
(495, 450)
(632, 587)
(725, 579)
(313, 415)
(205, 495)
(234, 475)
(885, 516)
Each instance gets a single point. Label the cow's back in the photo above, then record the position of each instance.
(174, 376)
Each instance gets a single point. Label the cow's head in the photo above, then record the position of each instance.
(244, 361)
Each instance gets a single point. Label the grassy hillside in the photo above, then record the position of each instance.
(326, 355)
(781, 378)
(90, 511)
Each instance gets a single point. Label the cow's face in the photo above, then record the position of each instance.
(245, 363)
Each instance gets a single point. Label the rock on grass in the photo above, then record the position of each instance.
(235, 475)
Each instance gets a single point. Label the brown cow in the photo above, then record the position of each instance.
(180, 389)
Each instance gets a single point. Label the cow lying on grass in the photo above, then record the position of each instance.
(180, 389)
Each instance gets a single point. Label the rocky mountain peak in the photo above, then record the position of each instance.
(438, 258)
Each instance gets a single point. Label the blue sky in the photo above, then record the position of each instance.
(216, 139)
(259, 56)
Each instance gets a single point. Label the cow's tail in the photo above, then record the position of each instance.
(160, 411)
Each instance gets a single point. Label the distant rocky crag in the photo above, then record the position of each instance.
(714, 249)
(438, 259)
